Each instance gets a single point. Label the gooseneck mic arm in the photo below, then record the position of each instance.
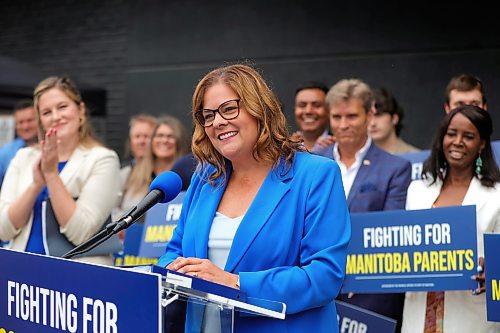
(97, 239)
(142, 207)
(164, 188)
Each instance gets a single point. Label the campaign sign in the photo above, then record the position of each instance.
(495, 146)
(132, 241)
(159, 226)
(47, 294)
(353, 319)
(417, 159)
(492, 272)
(417, 162)
(146, 241)
(415, 250)
(131, 245)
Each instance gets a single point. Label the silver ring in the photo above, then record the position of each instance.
(195, 274)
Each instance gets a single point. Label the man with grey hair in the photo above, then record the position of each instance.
(373, 179)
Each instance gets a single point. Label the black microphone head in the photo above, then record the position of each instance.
(169, 183)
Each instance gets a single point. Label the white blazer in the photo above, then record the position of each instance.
(462, 311)
(91, 175)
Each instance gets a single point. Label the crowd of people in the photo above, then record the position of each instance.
(255, 182)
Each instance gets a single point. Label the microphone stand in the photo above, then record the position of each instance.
(103, 235)
(124, 222)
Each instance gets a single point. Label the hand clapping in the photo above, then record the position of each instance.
(50, 156)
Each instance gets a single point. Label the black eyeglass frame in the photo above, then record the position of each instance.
(199, 114)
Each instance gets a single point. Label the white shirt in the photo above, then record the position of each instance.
(349, 174)
(221, 238)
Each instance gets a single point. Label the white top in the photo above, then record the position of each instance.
(462, 311)
(221, 238)
(90, 175)
(348, 175)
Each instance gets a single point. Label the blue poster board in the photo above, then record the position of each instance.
(145, 242)
(353, 319)
(47, 294)
(417, 162)
(159, 226)
(495, 146)
(492, 272)
(417, 159)
(130, 254)
(416, 250)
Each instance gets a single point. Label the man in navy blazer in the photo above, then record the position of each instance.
(373, 179)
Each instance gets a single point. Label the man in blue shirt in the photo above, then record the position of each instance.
(26, 134)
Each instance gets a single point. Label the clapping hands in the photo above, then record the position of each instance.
(50, 154)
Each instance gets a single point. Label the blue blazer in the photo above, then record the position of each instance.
(291, 245)
(380, 184)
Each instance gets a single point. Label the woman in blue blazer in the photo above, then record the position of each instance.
(260, 214)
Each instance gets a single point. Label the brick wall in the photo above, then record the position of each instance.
(86, 40)
(149, 55)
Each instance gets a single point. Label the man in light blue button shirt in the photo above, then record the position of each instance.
(26, 134)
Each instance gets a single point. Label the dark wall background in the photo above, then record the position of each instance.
(85, 40)
(149, 55)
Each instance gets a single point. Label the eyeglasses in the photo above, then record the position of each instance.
(161, 136)
(227, 110)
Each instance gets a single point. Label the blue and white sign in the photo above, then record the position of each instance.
(417, 162)
(159, 226)
(353, 319)
(146, 242)
(417, 159)
(47, 294)
(492, 272)
(495, 146)
(132, 243)
(416, 250)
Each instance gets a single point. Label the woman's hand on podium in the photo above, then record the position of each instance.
(204, 269)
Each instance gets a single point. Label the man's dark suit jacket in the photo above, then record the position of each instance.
(380, 184)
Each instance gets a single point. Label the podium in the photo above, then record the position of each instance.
(47, 294)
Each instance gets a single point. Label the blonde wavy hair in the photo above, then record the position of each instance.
(86, 134)
(274, 141)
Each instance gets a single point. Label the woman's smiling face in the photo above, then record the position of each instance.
(58, 110)
(461, 143)
(234, 139)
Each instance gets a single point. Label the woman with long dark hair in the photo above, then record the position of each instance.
(461, 170)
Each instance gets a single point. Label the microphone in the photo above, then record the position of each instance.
(163, 188)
